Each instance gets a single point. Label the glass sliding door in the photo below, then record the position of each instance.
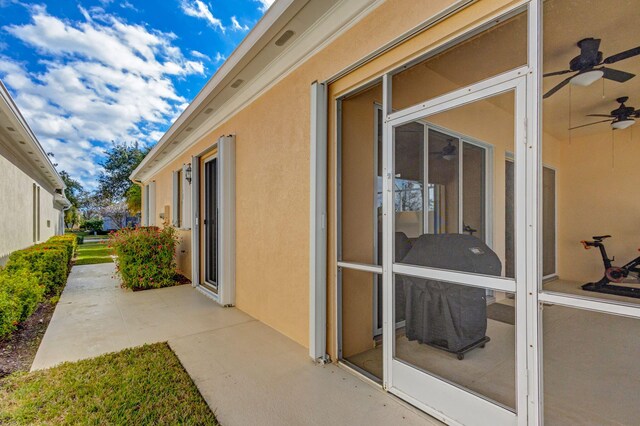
(457, 346)
(211, 223)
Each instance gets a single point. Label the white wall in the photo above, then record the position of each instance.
(16, 200)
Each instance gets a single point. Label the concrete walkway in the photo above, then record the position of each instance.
(247, 372)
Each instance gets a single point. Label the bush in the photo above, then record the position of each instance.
(24, 286)
(9, 313)
(29, 274)
(145, 256)
(48, 263)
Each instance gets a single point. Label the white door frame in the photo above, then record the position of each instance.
(433, 395)
(225, 155)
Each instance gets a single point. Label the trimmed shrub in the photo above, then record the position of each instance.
(69, 242)
(29, 274)
(48, 263)
(24, 286)
(9, 313)
(145, 256)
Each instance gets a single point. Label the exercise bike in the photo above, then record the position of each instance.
(613, 274)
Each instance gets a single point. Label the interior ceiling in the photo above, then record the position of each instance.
(565, 23)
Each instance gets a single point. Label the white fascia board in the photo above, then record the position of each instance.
(335, 22)
(21, 127)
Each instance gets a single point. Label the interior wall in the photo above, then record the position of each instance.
(598, 185)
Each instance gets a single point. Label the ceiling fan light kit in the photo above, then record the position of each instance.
(623, 124)
(587, 78)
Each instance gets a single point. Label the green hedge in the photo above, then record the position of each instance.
(48, 262)
(145, 256)
(29, 275)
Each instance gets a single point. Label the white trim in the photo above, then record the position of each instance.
(450, 100)
(195, 221)
(388, 218)
(185, 201)
(465, 278)
(318, 223)
(534, 409)
(175, 199)
(145, 205)
(612, 307)
(360, 267)
(151, 218)
(449, 397)
(227, 220)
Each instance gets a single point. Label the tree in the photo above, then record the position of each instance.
(73, 187)
(117, 212)
(122, 159)
(72, 192)
(134, 200)
(89, 205)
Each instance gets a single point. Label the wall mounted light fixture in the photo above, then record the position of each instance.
(187, 173)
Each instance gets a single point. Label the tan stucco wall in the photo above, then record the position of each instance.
(16, 194)
(272, 163)
(597, 194)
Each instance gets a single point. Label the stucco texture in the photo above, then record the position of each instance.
(16, 192)
(272, 163)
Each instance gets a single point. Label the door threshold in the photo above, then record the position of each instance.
(208, 293)
(360, 372)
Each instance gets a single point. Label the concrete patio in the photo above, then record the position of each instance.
(247, 372)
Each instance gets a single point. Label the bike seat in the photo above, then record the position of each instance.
(601, 237)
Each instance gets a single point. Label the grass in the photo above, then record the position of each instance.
(139, 386)
(90, 253)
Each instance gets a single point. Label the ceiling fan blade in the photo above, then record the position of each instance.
(549, 74)
(616, 75)
(622, 55)
(557, 87)
(591, 124)
(600, 115)
(636, 114)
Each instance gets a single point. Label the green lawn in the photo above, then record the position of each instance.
(90, 253)
(140, 386)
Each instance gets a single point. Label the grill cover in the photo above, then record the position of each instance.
(448, 315)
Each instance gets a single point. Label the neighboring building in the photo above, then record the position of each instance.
(31, 190)
(326, 180)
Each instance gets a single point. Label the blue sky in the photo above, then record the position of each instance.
(86, 73)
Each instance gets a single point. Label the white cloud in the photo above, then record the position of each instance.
(219, 57)
(102, 80)
(235, 25)
(127, 5)
(265, 4)
(199, 9)
(200, 55)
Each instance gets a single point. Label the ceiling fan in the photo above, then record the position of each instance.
(620, 118)
(584, 66)
(448, 152)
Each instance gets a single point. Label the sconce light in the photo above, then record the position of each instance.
(187, 173)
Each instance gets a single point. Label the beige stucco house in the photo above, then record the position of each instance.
(31, 190)
(403, 187)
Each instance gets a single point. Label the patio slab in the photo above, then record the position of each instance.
(247, 372)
